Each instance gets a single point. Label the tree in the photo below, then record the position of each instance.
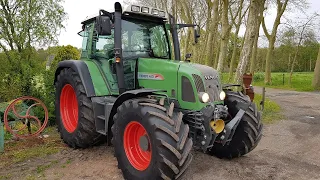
(301, 37)
(281, 7)
(224, 34)
(25, 24)
(60, 53)
(248, 40)
(237, 24)
(316, 76)
(256, 38)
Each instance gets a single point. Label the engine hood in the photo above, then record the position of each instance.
(211, 80)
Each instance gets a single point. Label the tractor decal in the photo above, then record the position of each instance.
(150, 76)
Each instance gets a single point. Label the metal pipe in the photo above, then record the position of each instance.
(118, 47)
(175, 38)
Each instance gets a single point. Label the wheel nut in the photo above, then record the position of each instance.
(203, 142)
(222, 137)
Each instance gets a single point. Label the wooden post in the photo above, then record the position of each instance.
(263, 98)
(1, 137)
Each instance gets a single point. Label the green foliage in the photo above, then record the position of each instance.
(301, 81)
(271, 112)
(65, 53)
(46, 92)
(28, 23)
(29, 77)
(23, 26)
(283, 55)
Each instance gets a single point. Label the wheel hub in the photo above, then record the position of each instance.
(144, 143)
(137, 145)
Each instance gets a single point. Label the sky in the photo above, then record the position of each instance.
(78, 10)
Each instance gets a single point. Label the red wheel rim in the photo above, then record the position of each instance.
(69, 108)
(137, 156)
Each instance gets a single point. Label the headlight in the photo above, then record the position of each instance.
(162, 14)
(204, 97)
(222, 95)
(145, 10)
(155, 12)
(135, 8)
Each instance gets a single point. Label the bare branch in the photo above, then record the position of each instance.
(265, 30)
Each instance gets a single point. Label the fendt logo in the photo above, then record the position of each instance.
(210, 77)
(150, 76)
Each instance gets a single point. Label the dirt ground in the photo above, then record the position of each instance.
(289, 149)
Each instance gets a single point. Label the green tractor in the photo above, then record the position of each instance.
(127, 91)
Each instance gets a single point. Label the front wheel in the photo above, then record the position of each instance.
(150, 141)
(248, 132)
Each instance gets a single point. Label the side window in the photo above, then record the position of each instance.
(85, 34)
(158, 37)
(104, 46)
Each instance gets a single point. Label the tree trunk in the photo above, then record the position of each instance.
(281, 7)
(234, 53)
(316, 76)
(268, 60)
(211, 41)
(254, 52)
(248, 42)
(224, 35)
(255, 43)
(289, 62)
(217, 56)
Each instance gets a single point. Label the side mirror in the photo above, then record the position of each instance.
(196, 34)
(103, 26)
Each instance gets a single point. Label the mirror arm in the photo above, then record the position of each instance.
(180, 26)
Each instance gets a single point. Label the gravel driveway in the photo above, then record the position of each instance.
(289, 149)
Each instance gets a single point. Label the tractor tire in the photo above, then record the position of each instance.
(248, 133)
(151, 142)
(74, 113)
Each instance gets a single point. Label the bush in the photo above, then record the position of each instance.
(258, 77)
(48, 90)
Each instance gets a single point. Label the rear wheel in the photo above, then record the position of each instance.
(74, 113)
(248, 132)
(150, 141)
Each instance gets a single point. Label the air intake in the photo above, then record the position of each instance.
(198, 82)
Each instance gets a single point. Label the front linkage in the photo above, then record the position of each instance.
(215, 126)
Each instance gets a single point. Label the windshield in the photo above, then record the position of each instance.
(141, 38)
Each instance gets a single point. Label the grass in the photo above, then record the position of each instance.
(301, 81)
(8, 176)
(19, 151)
(271, 112)
(42, 168)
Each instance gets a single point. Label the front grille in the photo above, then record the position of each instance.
(199, 83)
(213, 89)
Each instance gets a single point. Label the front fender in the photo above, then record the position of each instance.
(81, 68)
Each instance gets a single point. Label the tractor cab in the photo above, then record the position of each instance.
(118, 39)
